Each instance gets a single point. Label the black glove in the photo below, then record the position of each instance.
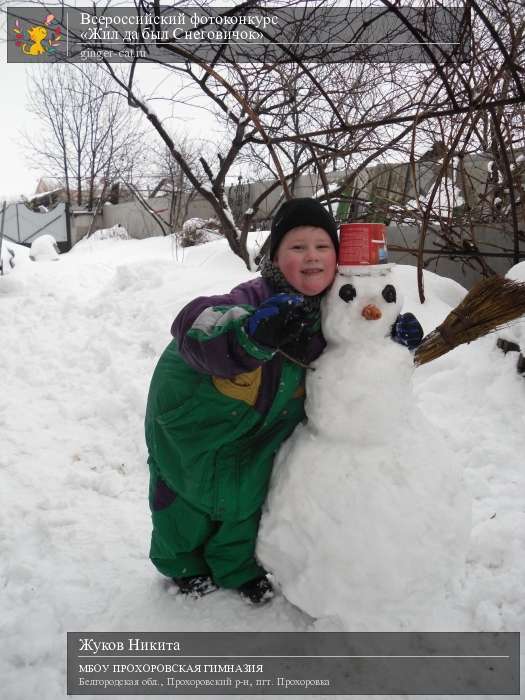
(407, 331)
(277, 321)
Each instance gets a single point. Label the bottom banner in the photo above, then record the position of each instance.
(269, 663)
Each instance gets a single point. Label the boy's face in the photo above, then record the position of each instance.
(306, 256)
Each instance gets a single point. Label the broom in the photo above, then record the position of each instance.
(490, 304)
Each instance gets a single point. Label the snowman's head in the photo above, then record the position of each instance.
(358, 308)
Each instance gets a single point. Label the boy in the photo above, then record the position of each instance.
(226, 393)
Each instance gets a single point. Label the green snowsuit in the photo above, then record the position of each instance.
(219, 407)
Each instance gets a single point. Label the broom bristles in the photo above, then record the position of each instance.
(489, 305)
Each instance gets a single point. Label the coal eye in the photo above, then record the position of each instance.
(347, 292)
(389, 293)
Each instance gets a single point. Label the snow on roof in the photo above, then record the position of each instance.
(331, 188)
(43, 195)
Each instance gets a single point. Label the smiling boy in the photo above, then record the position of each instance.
(226, 393)
(307, 258)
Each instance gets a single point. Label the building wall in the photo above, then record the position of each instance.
(455, 268)
(82, 222)
(141, 224)
(134, 217)
(376, 179)
(393, 182)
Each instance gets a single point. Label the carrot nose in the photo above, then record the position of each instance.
(371, 312)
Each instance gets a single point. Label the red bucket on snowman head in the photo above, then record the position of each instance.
(362, 249)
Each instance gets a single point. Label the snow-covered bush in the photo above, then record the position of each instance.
(196, 231)
(44, 248)
(116, 232)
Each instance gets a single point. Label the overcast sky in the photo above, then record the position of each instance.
(19, 177)
(16, 177)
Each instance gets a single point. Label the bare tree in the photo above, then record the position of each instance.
(309, 113)
(87, 133)
(173, 181)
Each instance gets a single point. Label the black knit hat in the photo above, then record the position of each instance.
(301, 212)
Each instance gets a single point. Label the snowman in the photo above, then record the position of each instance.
(367, 518)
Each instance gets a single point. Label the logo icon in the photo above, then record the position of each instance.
(40, 38)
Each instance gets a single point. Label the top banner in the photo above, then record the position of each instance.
(315, 34)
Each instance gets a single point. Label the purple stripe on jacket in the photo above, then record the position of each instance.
(223, 356)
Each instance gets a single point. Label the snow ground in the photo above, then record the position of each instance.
(79, 340)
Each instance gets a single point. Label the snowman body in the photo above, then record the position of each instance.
(367, 516)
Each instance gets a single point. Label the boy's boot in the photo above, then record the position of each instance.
(195, 586)
(257, 591)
